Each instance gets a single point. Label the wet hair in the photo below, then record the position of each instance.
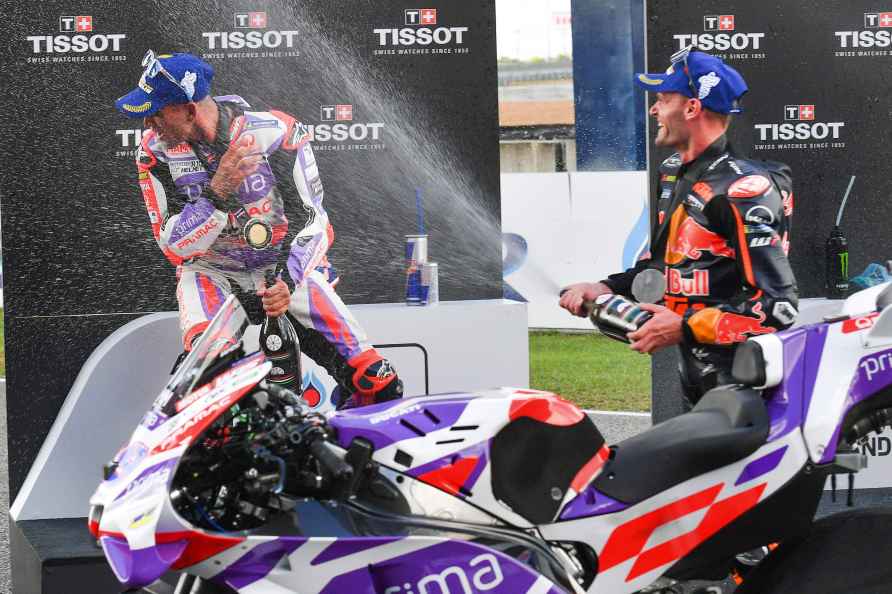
(723, 118)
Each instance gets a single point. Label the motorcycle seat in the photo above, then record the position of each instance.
(728, 424)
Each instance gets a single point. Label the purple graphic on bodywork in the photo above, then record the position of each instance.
(788, 403)
(258, 562)
(761, 466)
(591, 502)
(478, 450)
(152, 475)
(153, 420)
(817, 338)
(451, 566)
(478, 470)
(349, 546)
(128, 458)
(874, 374)
(390, 422)
(140, 567)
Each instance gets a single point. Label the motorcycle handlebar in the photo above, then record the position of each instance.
(332, 458)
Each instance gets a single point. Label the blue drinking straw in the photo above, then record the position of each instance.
(420, 211)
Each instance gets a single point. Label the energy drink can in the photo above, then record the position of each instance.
(430, 284)
(837, 265)
(416, 255)
(615, 316)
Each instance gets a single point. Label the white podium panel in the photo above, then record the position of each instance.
(468, 345)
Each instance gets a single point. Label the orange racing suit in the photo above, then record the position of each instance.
(721, 237)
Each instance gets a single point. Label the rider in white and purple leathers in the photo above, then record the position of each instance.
(214, 176)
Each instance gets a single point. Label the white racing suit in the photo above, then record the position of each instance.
(206, 238)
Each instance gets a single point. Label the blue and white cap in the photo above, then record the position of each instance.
(167, 79)
(702, 76)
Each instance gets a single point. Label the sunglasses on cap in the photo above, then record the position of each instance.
(153, 67)
(681, 56)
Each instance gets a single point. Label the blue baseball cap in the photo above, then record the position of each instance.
(166, 79)
(697, 75)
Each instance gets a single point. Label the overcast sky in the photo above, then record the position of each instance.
(533, 28)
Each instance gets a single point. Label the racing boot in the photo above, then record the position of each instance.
(372, 379)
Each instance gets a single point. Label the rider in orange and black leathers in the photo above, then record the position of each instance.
(722, 236)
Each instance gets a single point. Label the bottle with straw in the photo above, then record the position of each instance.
(837, 255)
(416, 259)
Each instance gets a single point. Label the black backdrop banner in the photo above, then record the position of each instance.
(819, 101)
(400, 97)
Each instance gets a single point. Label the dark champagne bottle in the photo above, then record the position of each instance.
(279, 342)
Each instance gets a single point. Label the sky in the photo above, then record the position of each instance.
(533, 28)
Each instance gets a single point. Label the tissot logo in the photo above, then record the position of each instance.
(799, 112)
(715, 22)
(421, 16)
(78, 24)
(877, 33)
(253, 39)
(875, 20)
(800, 125)
(250, 20)
(420, 30)
(721, 35)
(336, 113)
(77, 43)
(340, 130)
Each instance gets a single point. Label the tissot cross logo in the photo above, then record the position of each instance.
(250, 20)
(877, 20)
(799, 112)
(336, 113)
(718, 22)
(420, 16)
(78, 24)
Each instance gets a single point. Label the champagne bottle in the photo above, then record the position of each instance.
(615, 316)
(279, 342)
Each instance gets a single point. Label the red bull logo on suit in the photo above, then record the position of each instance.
(691, 240)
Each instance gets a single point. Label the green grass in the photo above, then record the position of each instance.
(591, 370)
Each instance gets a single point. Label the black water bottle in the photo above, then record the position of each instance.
(279, 342)
(837, 264)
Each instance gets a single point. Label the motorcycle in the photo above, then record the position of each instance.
(233, 482)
